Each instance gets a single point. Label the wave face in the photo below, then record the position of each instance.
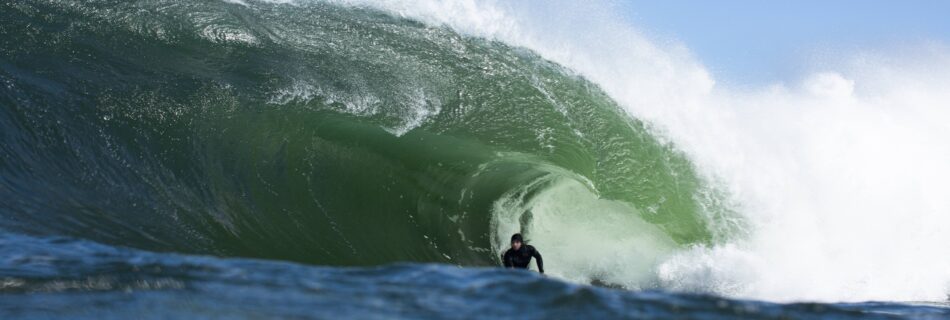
(351, 133)
(837, 175)
(327, 134)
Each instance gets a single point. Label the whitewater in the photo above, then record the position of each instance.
(840, 175)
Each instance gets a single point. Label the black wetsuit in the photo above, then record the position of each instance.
(520, 258)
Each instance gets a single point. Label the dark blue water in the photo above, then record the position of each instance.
(64, 278)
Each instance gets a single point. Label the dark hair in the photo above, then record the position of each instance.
(517, 237)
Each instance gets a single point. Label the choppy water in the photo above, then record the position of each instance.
(62, 278)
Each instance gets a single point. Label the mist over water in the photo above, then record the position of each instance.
(841, 177)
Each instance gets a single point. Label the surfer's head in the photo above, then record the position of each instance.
(516, 241)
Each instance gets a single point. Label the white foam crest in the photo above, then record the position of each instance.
(843, 176)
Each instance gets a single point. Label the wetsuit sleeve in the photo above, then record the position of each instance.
(506, 259)
(537, 257)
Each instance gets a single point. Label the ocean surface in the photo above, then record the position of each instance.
(49, 278)
(336, 159)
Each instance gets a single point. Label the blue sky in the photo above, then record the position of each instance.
(746, 41)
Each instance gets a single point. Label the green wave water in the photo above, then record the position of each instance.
(328, 135)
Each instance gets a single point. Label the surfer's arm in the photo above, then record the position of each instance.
(506, 260)
(537, 257)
